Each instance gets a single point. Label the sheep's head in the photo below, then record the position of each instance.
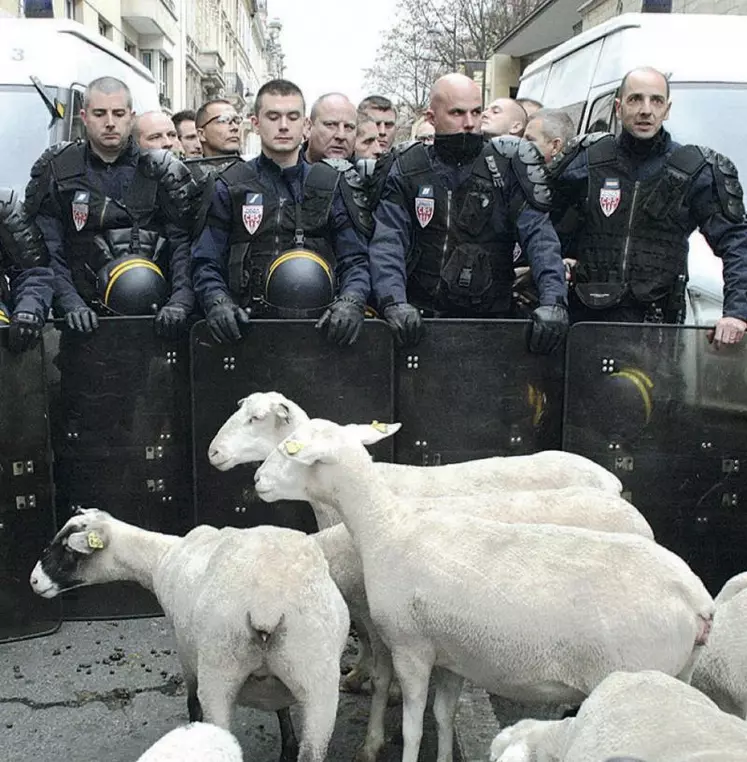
(262, 421)
(72, 558)
(285, 473)
(525, 741)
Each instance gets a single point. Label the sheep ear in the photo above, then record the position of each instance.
(308, 453)
(373, 432)
(86, 542)
(283, 413)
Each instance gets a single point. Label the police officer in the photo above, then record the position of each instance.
(332, 123)
(115, 220)
(635, 201)
(448, 220)
(155, 129)
(26, 280)
(279, 239)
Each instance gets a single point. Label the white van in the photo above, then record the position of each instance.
(46, 65)
(707, 70)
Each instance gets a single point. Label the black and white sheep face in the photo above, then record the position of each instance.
(248, 436)
(66, 562)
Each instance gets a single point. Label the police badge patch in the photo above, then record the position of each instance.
(425, 205)
(80, 209)
(609, 196)
(252, 211)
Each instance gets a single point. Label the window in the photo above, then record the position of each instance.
(105, 28)
(602, 113)
(146, 56)
(130, 48)
(70, 9)
(163, 75)
(575, 111)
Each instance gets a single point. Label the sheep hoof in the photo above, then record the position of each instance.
(354, 682)
(364, 755)
(395, 694)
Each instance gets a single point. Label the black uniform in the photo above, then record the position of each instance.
(630, 206)
(26, 280)
(92, 212)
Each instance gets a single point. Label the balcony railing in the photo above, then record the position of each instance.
(234, 84)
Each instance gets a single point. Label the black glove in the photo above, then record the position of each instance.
(343, 320)
(25, 331)
(171, 321)
(225, 318)
(549, 328)
(82, 319)
(407, 323)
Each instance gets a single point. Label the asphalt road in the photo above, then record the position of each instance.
(105, 691)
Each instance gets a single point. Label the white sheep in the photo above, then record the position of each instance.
(196, 742)
(645, 715)
(534, 613)
(721, 671)
(257, 619)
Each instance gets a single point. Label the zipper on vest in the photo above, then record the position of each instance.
(103, 212)
(448, 229)
(627, 237)
(281, 201)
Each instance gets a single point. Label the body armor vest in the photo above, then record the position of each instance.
(635, 238)
(99, 229)
(264, 225)
(459, 265)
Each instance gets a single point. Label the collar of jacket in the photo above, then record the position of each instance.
(129, 156)
(266, 164)
(642, 149)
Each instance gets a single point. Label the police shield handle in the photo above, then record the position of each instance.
(549, 328)
(407, 323)
(225, 319)
(728, 330)
(82, 319)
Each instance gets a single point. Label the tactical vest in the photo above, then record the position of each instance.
(635, 237)
(264, 225)
(458, 264)
(99, 229)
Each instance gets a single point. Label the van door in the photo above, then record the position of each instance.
(601, 114)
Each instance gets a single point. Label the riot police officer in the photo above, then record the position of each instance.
(26, 280)
(447, 223)
(632, 203)
(279, 239)
(115, 219)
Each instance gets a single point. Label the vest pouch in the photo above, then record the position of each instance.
(467, 275)
(600, 296)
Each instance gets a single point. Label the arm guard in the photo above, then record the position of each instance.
(21, 239)
(529, 167)
(179, 191)
(728, 187)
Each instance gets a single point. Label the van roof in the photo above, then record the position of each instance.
(687, 46)
(58, 52)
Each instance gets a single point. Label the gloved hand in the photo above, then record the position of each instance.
(225, 318)
(343, 320)
(549, 328)
(24, 332)
(407, 323)
(82, 319)
(171, 321)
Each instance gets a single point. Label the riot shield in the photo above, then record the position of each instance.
(667, 412)
(347, 385)
(472, 390)
(26, 505)
(119, 402)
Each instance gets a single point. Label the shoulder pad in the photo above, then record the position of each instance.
(506, 145)
(20, 238)
(530, 169)
(365, 168)
(728, 187)
(174, 178)
(341, 165)
(403, 146)
(37, 185)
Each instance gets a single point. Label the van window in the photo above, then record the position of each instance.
(575, 111)
(77, 128)
(570, 77)
(534, 86)
(602, 113)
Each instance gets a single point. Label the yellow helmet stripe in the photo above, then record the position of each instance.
(303, 255)
(123, 268)
(642, 389)
(3, 317)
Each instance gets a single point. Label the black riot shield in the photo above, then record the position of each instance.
(26, 505)
(119, 402)
(667, 412)
(350, 385)
(472, 390)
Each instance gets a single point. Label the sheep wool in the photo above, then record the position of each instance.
(196, 742)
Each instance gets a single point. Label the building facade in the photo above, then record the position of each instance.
(196, 49)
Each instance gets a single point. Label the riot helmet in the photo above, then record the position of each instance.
(299, 284)
(132, 286)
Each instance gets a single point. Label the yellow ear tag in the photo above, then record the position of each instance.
(94, 541)
(292, 447)
(382, 427)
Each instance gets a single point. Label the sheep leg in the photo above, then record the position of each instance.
(194, 707)
(412, 666)
(381, 679)
(289, 742)
(318, 711)
(353, 681)
(448, 688)
(217, 691)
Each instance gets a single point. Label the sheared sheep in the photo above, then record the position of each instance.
(256, 617)
(196, 742)
(530, 612)
(644, 715)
